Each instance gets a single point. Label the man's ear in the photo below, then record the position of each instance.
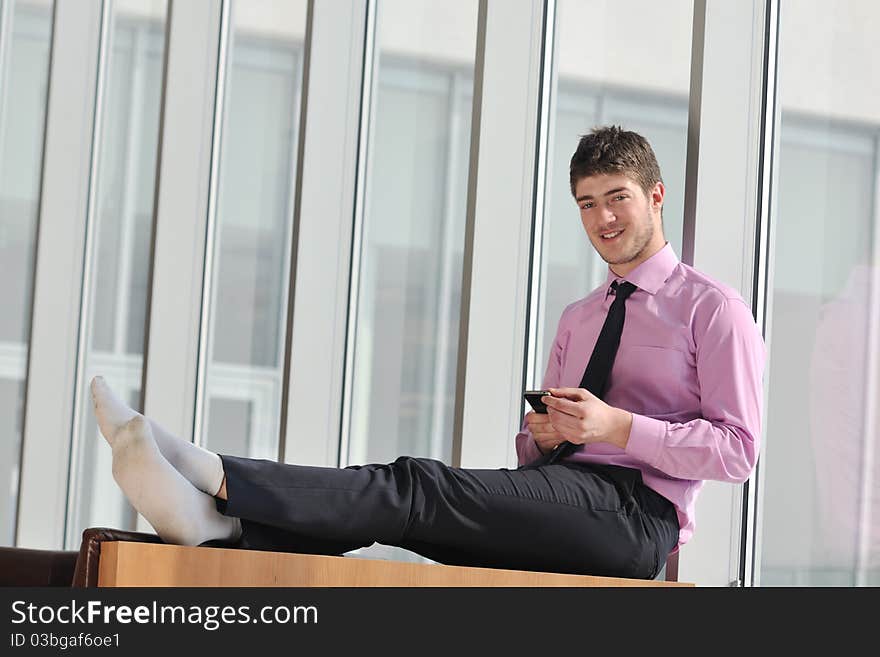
(657, 195)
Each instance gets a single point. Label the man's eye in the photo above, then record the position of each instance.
(586, 206)
(619, 197)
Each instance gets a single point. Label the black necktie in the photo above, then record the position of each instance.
(595, 377)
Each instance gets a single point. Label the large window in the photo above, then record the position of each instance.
(383, 231)
(821, 510)
(25, 34)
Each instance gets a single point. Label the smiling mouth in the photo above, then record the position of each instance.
(608, 237)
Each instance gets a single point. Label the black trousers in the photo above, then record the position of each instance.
(568, 518)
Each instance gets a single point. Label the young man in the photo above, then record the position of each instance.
(607, 479)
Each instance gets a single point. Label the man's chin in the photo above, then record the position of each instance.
(618, 259)
(611, 258)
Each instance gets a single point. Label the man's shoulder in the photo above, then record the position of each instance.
(593, 297)
(705, 288)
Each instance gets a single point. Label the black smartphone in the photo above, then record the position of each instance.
(534, 399)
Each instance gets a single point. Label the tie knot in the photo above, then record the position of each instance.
(623, 290)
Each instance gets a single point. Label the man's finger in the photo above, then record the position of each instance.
(566, 406)
(547, 435)
(548, 440)
(575, 394)
(543, 422)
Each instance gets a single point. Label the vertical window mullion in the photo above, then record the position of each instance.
(209, 286)
(499, 231)
(323, 220)
(724, 144)
(547, 113)
(749, 562)
(365, 134)
(89, 249)
(180, 231)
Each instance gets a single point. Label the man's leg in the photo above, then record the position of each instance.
(566, 518)
(561, 518)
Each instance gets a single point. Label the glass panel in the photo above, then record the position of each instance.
(631, 73)
(236, 416)
(254, 217)
(25, 38)
(821, 507)
(406, 331)
(123, 215)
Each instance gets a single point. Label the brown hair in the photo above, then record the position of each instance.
(611, 149)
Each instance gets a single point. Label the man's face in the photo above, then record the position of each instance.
(622, 222)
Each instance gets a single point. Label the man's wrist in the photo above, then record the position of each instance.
(622, 425)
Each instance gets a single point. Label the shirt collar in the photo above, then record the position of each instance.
(652, 273)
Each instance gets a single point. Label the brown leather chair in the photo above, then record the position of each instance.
(29, 567)
(86, 571)
(26, 567)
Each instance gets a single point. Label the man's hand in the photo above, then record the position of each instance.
(582, 418)
(546, 437)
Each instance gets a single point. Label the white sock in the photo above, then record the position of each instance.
(179, 513)
(202, 468)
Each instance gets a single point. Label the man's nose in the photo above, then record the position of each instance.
(607, 216)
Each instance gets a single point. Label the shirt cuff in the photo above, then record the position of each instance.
(527, 448)
(646, 438)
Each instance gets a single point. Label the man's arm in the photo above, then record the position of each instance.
(724, 443)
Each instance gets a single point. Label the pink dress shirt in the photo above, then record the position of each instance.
(689, 369)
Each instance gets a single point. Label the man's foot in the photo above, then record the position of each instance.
(110, 411)
(178, 512)
(203, 469)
